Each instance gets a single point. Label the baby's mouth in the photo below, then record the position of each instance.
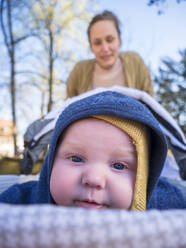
(89, 204)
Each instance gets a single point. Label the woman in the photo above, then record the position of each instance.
(109, 66)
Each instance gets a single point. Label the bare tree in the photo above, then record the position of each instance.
(12, 16)
(10, 42)
(53, 22)
(40, 65)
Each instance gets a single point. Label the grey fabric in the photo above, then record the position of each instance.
(35, 128)
(47, 226)
(37, 148)
(34, 147)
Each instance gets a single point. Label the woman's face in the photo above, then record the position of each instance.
(105, 43)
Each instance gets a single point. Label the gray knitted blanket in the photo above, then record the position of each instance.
(44, 226)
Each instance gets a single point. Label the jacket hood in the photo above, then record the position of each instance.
(105, 102)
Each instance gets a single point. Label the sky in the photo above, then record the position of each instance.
(153, 36)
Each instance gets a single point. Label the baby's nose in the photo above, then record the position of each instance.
(94, 177)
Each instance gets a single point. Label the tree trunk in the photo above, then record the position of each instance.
(13, 101)
(12, 75)
(51, 61)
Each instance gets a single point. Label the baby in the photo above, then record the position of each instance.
(107, 151)
(101, 162)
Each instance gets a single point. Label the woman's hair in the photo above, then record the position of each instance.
(105, 15)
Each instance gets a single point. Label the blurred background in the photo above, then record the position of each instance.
(41, 40)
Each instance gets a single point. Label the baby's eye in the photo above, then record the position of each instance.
(119, 166)
(76, 159)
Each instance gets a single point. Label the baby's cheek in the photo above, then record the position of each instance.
(121, 192)
(61, 187)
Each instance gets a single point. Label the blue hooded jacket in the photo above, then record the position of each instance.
(160, 193)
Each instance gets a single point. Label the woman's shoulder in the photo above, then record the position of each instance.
(130, 55)
(85, 63)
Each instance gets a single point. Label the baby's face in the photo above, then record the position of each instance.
(95, 167)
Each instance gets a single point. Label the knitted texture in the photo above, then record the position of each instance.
(138, 132)
(46, 226)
